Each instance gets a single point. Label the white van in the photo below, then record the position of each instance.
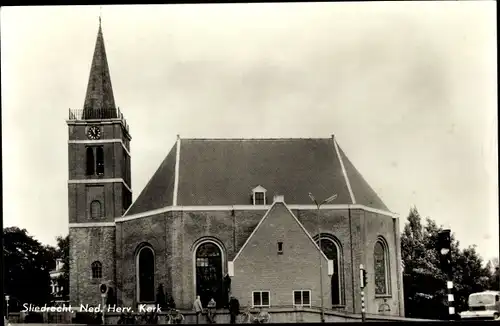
(483, 305)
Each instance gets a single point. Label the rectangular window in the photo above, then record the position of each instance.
(302, 298)
(261, 299)
(259, 198)
(280, 248)
(99, 161)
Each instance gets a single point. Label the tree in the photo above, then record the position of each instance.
(62, 252)
(424, 282)
(27, 266)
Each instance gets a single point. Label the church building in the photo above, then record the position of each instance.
(249, 211)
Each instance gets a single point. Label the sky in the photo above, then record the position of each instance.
(408, 88)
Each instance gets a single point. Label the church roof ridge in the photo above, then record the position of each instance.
(255, 138)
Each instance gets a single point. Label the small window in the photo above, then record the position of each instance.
(96, 269)
(261, 299)
(280, 248)
(302, 298)
(260, 198)
(95, 209)
(497, 298)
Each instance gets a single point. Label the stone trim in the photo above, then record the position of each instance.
(100, 141)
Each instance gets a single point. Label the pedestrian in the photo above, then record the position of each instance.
(198, 308)
(211, 311)
(234, 309)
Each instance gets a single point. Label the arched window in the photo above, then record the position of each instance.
(332, 250)
(96, 269)
(90, 161)
(146, 274)
(209, 279)
(99, 160)
(381, 268)
(95, 209)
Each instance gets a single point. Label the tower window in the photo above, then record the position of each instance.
(96, 269)
(95, 209)
(280, 248)
(99, 161)
(90, 161)
(259, 198)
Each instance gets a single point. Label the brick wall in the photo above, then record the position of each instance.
(86, 246)
(376, 225)
(259, 267)
(174, 236)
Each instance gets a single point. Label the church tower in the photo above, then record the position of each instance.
(99, 185)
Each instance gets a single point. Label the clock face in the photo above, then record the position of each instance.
(94, 132)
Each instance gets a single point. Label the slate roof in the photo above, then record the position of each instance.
(224, 172)
(99, 99)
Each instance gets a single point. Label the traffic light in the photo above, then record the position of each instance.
(103, 288)
(444, 250)
(364, 278)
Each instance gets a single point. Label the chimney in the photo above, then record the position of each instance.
(278, 199)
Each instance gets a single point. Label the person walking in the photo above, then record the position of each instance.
(198, 308)
(234, 309)
(211, 311)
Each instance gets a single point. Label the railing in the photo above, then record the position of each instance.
(91, 114)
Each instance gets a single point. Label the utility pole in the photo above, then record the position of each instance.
(362, 282)
(7, 306)
(444, 249)
(318, 206)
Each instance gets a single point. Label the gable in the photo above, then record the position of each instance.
(279, 224)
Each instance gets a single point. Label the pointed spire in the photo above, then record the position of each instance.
(99, 100)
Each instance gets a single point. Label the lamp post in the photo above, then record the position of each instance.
(318, 205)
(7, 306)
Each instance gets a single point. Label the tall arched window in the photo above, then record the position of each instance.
(96, 269)
(90, 161)
(146, 274)
(381, 268)
(95, 209)
(332, 250)
(99, 160)
(209, 279)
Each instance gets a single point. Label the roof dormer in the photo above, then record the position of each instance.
(259, 195)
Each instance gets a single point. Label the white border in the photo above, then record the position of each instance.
(301, 299)
(137, 287)
(100, 141)
(344, 171)
(249, 208)
(98, 181)
(261, 306)
(177, 162)
(223, 259)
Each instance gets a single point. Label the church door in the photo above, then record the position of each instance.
(209, 273)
